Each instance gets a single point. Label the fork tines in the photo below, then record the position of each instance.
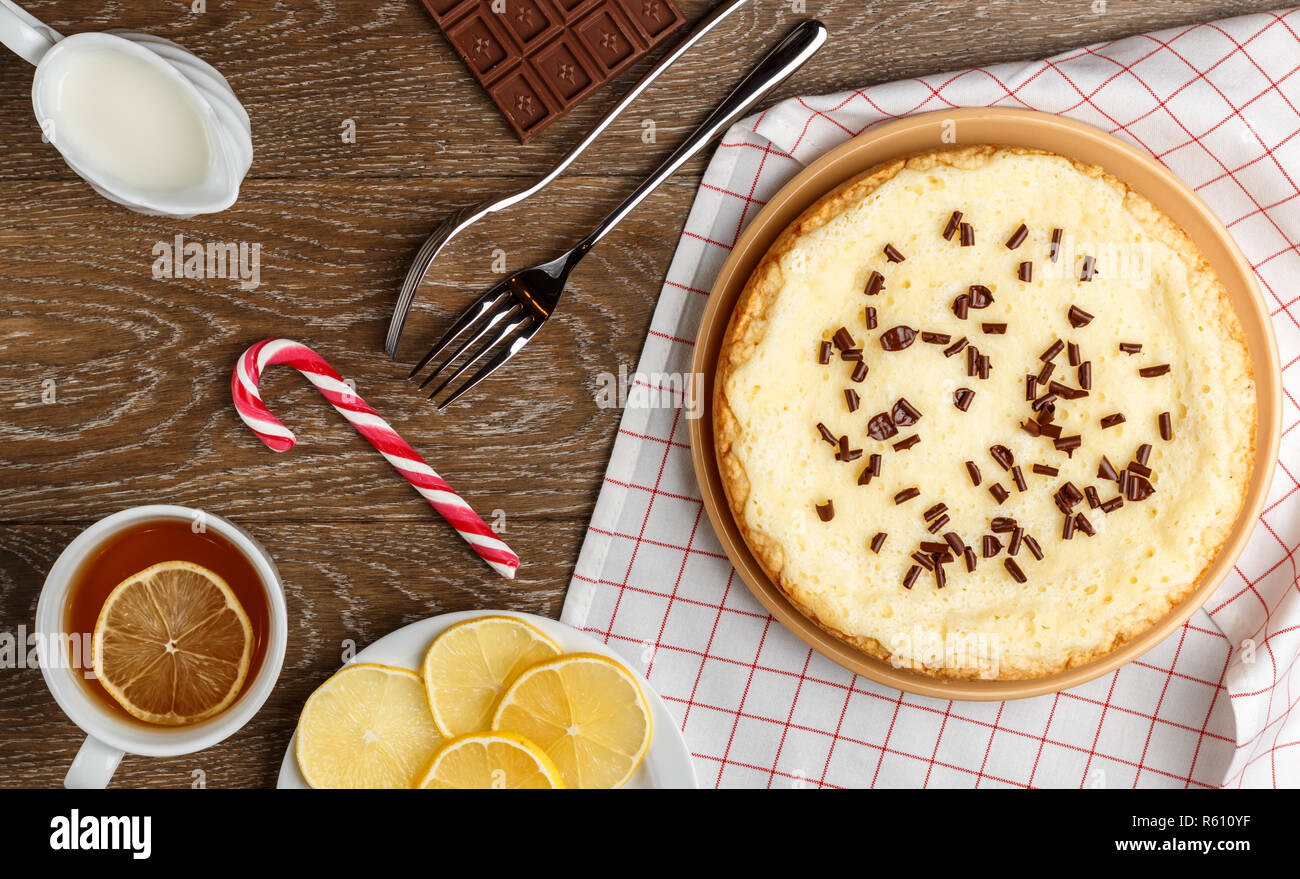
(514, 324)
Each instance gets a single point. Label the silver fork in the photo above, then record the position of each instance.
(462, 219)
(514, 310)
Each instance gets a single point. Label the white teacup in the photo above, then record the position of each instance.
(109, 735)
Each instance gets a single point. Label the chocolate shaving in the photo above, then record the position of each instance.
(1106, 470)
(990, 546)
(936, 338)
(1089, 269)
(1068, 443)
(851, 354)
(1018, 237)
(954, 223)
(994, 329)
(1143, 453)
(961, 306)
(1138, 488)
(1054, 249)
(1081, 522)
(1072, 352)
(897, 338)
(937, 510)
(969, 556)
(878, 541)
(1014, 570)
(972, 360)
(904, 444)
(1034, 549)
(825, 511)
(1139, 468)
(881, 427)
(1031, 427)
(979, 296)
(842, 339)
(864, 478)
(955, 347)
(1130, 347)
(1085, 375)
(1031, 384)
(826, 433)
(1002, 524)
(904, 413)
(1002, 455)
(933, 547)
(1113, 504)
(923, 560)
(1045, 374)
(1112, 420)
(1077, 317)
(962, 398)
(874, 464)
(1094, 500)
(852, 399)
(937, 525)
(1017, 537)
(875, 283)
(860, 371)
(824, 353)
(1051, 431)
(1018, 478)
(1044, 470)
(1025, 272)
(940, 577)
(1067, 530)
(869, 315)
(954, 540)
(967, 235)
(1052, 350)
(1166, 426)
(983, 366)
(999, 493)
(973, 472)
(1066, 391)
(906, 495)
(892, 254)
(1153, 371)
(910, 578)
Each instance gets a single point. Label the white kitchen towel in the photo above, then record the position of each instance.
(1213, 705)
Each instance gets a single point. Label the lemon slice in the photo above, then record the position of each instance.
(172, 644)
(469, 665)
(367, 726)
(491, 760)
(586, 712)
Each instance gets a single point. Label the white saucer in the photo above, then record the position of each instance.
(667, 764)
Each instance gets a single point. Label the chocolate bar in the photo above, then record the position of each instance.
(537, 59)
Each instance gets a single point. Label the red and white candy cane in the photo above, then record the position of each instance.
(431, 486)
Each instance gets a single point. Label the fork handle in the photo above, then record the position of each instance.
(777, 66)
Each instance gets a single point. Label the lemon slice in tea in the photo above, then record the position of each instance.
(491, 761)
(368, 726)
(172, 644)
(586, 712)
(469, 665)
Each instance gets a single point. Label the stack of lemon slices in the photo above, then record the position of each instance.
(496, 705)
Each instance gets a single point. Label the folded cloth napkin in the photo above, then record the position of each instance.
(1215, 704)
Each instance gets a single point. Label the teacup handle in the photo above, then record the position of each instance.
(24, 34)
(93, 766)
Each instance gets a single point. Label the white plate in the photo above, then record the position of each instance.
(667, 764)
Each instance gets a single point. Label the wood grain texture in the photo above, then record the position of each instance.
(140, 367)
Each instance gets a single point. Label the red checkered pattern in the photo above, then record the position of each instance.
(1213, 705)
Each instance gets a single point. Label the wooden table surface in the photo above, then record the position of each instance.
(139, 368)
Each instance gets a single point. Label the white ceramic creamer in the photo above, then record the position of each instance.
(146, 123)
